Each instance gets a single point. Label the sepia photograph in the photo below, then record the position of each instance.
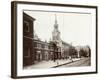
(56, 39)
(53, 39)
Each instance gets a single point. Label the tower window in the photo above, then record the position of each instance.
(26, 26)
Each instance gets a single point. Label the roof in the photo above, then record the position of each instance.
(63, 42)
(28, 16)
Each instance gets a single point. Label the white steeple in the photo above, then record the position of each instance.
(56, 33)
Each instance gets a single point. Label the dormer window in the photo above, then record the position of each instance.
(26, 26)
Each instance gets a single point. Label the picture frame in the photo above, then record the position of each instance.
(75, 24)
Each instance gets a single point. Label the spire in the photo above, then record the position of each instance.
(56, 25)
(56, 32)
(55, 19)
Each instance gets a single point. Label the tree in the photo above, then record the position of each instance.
(83, 53)
(89, 52)
(72, 51)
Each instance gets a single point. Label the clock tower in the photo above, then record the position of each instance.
(56, 33)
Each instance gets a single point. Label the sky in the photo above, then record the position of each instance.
(75, 28)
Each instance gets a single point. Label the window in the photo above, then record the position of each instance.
(26, 26)
(46, 46)
(27, 53)
(35, 44)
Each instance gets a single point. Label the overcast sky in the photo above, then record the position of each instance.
(75, 28)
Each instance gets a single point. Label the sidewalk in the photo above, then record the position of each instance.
(50, 64)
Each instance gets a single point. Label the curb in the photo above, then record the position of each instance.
(64, 64)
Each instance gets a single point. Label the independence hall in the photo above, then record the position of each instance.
(36, 50)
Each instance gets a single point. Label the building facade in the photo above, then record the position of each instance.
(45, 50)
(28, 50)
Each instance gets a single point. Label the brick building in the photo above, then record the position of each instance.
(28, 50)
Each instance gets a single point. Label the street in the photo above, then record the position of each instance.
(77, 62)
(82, 62)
